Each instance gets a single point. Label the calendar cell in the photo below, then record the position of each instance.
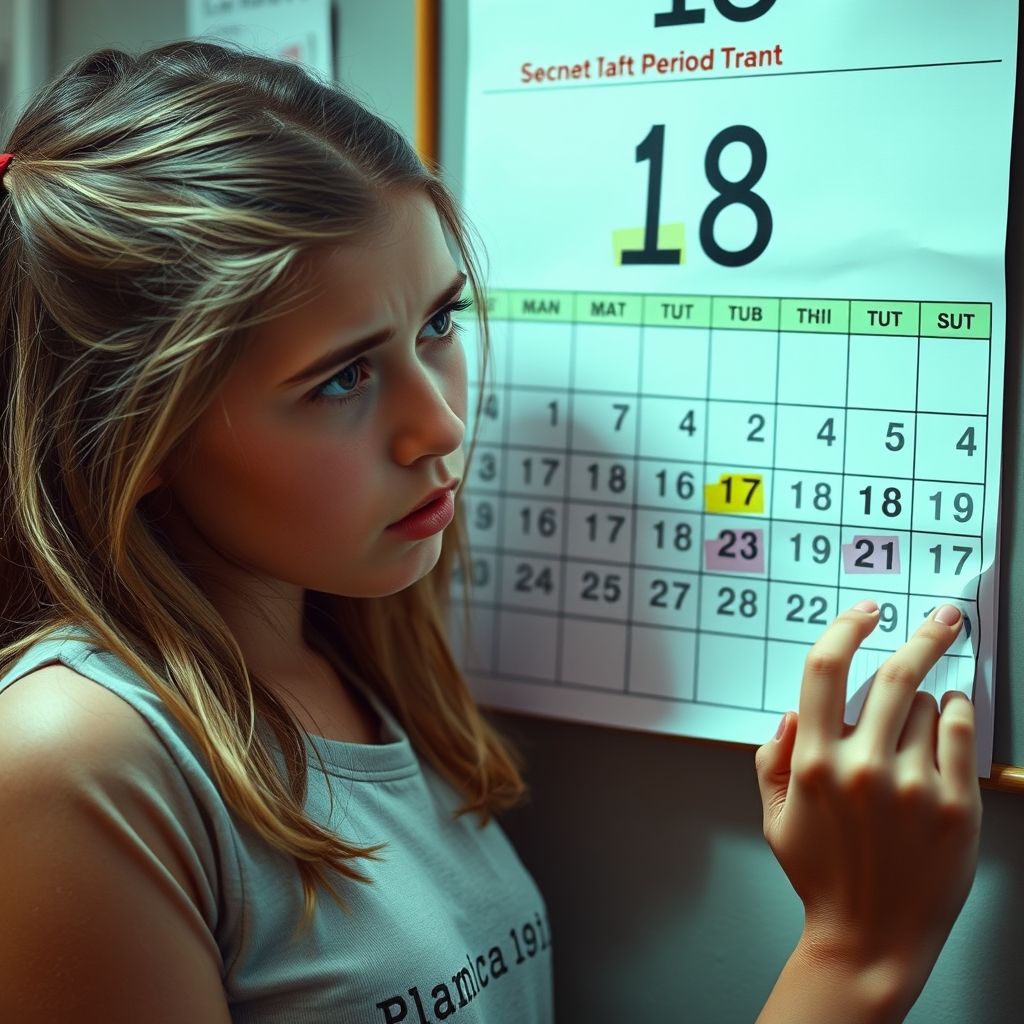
(675, 362)
(529, 471)
(662, 662)
(533, 526)
(672, 428)
(743, 365)
(530, 582)
(485, 470)
(540, 355)
(670, 485)
(602, 479)
(741, 434)
(489, 415)
(597, 591)
(948, 508)
(810, 438)
(784, 671)
(605, 423)
(737, 489)
(876, 559)
(730, 671)
(883, 373)
(474, 647)
(598, 532)
(891, 631)
(594, 654)
(806, 497)
(953, 376)
(665, 598)
(527, 645)
(481, 518)
(669, 539)
(804, 553)
(735, 606)
(800, 612)
(812, 368)
(607, 358)
(951, 448)
(966, 642)
(477, 582)
(538, 418)
(881, 503)
(945, 564)
(880, 443)
(735, 545)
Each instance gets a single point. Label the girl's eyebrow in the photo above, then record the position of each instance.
(344, 353)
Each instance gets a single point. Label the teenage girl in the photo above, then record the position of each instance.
(235, 423)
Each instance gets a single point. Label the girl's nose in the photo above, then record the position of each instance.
(427, 424)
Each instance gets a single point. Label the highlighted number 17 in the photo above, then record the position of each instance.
(729, 192)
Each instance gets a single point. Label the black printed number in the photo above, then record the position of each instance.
(681, 15)
(668, 594)
(529, 579)
(606, 588)
(816, 608)
(745, 602)
(730, 193)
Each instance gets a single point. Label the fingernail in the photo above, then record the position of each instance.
(866, 606)
(952, 695)
(948, 615)
(782, 727)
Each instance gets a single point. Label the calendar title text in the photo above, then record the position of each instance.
(648, 65)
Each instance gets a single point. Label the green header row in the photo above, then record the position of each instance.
(819, 316)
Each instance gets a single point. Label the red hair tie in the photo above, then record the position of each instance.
(5, 160)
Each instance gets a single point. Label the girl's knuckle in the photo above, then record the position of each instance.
(865, 777)
(822, 663)
(897, 674)
(814, 769)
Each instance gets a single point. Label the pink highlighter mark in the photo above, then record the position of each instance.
(872, 553)
(735, 551)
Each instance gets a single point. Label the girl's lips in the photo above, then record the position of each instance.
(427, 520)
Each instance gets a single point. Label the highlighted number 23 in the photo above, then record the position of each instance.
(738, 192)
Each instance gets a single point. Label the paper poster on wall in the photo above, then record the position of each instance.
(747, 301)
(298, 30)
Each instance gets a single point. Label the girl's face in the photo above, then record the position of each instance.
(341, 417)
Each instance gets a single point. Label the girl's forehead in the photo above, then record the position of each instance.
(342, 289)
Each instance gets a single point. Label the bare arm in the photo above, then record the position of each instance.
(98, 908)
(876, 826)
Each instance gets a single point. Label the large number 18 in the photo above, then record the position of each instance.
(729, 192)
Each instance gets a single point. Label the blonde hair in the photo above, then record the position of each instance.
(155, 210)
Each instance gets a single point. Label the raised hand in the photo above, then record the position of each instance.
(876, 825)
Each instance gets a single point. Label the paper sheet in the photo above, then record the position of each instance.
(748, 332)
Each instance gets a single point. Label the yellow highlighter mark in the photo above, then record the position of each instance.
(670, 236)
(736, 493)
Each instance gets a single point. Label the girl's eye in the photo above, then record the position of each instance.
(349, 379)
(352, 379)
(442, 323)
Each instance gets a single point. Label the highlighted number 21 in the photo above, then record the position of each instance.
(729, 192)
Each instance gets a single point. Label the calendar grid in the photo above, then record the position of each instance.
(633, 518)
(769, 553)
(703, 519)
(570, 420)
(913, 465)
(601, 580)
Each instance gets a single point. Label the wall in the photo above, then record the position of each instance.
(665, 902)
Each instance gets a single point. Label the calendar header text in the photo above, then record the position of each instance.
(726, 58)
